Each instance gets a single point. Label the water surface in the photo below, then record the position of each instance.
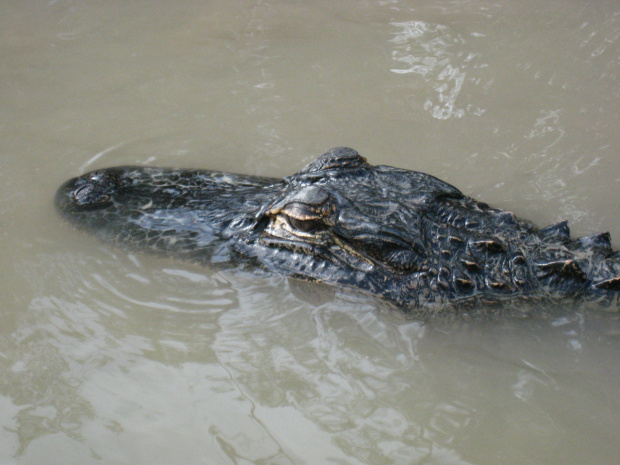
(116, 358)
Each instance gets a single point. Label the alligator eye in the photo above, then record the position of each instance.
(306, 226)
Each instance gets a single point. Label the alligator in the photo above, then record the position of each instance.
(401, 235)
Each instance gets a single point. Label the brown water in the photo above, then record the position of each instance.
(113, 358)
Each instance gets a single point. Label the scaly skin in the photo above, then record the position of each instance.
(401, 235)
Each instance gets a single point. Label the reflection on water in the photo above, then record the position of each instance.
(424, 49)
(228, 367)
(109, 357)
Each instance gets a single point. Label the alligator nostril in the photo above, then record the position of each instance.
(81, 192)
(91, 195)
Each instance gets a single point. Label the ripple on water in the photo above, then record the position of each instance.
(433, 53)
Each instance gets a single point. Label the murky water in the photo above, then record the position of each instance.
(113, 358)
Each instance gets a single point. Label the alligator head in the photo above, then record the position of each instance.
(402, 235)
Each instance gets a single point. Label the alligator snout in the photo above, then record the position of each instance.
(88, 192)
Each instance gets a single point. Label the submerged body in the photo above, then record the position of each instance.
(397, 234)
